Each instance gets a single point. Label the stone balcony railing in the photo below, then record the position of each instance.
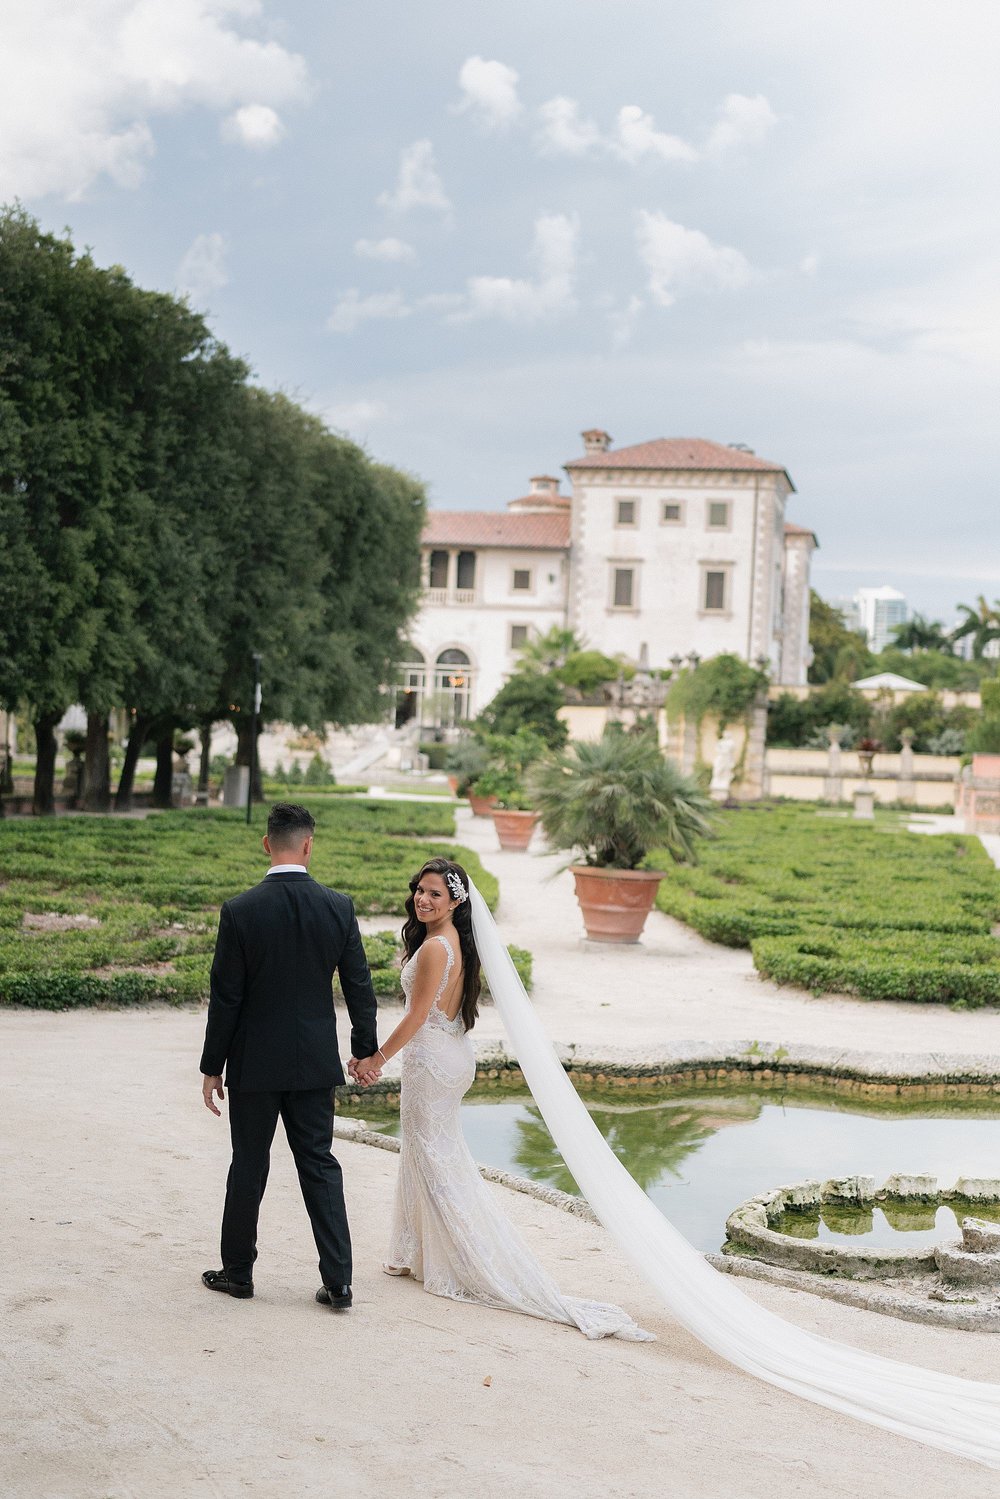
(439, 596)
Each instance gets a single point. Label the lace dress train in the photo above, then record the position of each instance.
(448, 1229)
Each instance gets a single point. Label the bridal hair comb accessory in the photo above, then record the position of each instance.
(456, 887)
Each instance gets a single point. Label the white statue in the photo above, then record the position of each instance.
(722, 768)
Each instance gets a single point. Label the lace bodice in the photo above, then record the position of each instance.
(436, 1018)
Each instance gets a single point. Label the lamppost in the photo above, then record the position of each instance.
(253, 732)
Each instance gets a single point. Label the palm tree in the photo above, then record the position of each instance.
(920, 634)
(982, 622)
(549, 651)
(616, 799)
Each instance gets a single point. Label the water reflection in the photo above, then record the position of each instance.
(698, 1155)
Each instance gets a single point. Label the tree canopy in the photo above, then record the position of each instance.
(162, 519)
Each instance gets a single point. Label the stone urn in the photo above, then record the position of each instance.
(481, 806)
(514, 829)
(615, 902)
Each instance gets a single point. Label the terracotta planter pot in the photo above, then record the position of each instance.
(481, 805)
(453, 784)
(514, 829)
(615, 902)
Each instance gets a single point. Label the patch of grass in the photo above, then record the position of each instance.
(830, 904)
(155, 886)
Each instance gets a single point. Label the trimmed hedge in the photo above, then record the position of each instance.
(155, 887)
(829, 904)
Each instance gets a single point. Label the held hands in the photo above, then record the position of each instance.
(365, 1070)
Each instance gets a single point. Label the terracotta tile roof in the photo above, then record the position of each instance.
(679, 453)
(547, 532)
(791, 529)
(542, 499)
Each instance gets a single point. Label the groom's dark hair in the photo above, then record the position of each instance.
(288, 822)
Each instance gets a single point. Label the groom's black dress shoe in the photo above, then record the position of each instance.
(337, 1297)
(218, 1280)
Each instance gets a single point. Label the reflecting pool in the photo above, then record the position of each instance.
(698, 1155)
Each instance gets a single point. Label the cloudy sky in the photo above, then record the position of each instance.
(464, 232)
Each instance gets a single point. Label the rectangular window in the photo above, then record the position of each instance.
(437, 575)
(518, 637)
(626, 513)
(715, 590)
(718, 515)
(623, 588)
(521, 581)
(671, 514)
(466, 570)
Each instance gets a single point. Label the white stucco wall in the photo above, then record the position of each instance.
(482, 628)
(671, 558)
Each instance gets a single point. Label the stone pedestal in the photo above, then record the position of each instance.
(833, 781)
(978, 795)
(235, 785)
(905, 786)
(864, 804)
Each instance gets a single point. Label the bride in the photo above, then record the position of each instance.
(448, 1229)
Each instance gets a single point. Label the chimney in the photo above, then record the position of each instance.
(595, 441)
(544, 484)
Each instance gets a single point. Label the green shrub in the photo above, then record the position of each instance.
(155, 887)
(831, 905)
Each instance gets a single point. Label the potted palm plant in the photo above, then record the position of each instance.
(612, 802)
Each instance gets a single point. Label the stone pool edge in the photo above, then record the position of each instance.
(767, 1065)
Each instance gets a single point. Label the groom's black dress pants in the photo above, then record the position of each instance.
(307, 1115)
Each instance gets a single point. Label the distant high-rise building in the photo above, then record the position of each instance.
(848, 608)
(880, 610)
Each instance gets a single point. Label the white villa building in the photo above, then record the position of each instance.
(667, 550)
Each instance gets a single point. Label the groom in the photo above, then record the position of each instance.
(271, 1024)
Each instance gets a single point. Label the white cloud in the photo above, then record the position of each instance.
(678, 259)
(418, 184)
(389, 250)
(743, 121)
(638, 137)
(489, 91)
(203, 268)
(520, 299)
(809, 265)
(255, 125)
(352, 416)
(622, 321)
(81, 83)
(352, 309)
(563, 132)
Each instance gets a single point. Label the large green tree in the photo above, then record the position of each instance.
(838, 653)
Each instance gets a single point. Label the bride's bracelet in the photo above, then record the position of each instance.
(380, 1053)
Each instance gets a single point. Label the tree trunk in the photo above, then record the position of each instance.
(126, 781)
(244, 738)
(43, 802)
(163, 785)
(97, 765)
(205, 763)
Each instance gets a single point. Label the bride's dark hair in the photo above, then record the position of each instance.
(414, 932)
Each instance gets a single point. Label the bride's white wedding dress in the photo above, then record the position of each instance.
(961, 1416)
(448, 1229)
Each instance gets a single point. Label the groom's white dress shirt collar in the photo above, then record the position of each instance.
(288, 869)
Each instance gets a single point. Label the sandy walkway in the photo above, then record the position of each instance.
(122, 1378)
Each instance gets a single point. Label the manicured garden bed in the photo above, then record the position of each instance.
(830, 905)
(99, 910)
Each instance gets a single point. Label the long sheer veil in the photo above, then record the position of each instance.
(941, 1410)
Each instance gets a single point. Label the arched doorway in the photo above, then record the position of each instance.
(452, 687)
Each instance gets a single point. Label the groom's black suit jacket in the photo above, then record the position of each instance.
(271, 1021)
